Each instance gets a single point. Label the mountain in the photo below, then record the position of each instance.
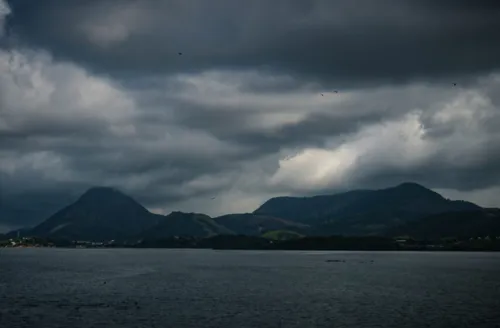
(254, 225)
(185, 224)
(362, 212)
(104, 213)
(101, 213)
(308, 209)
(465, 224)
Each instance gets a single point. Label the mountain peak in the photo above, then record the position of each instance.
(103, 194)
(100, 213)
(108, 198)
(414, 191)
(101, 190)
(344, 212)
(413, 187)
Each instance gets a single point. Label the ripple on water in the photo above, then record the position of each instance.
(195, 288)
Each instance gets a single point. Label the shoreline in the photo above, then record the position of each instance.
(430, 250)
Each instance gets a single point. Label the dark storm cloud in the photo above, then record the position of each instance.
(390, 40)
(165, 138)
(234, 122)
(310, 131)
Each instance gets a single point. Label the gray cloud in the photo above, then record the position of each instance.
(337, 41)
(107, 101)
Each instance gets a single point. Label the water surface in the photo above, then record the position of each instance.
(204, 288)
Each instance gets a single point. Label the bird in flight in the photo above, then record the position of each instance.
(321, 95)
(336, 91)
(180, 53)
(454, 84)
(213, 198)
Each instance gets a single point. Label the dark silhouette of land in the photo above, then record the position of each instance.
(407, 216)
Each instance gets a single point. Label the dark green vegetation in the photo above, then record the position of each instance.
(282, 235)
(253, 242)
(256, 225)
(362, 212)
(363, 219)
(185, 225)
(461, 225)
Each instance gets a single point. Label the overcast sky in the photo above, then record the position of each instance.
(95, 93)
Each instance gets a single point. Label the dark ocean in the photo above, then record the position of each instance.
(74, 288)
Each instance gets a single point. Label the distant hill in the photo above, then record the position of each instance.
(362, 212)
(254, 225)
(100, 213)
(104, 213)
(185, 224)
(465, 224)
(309, 210)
